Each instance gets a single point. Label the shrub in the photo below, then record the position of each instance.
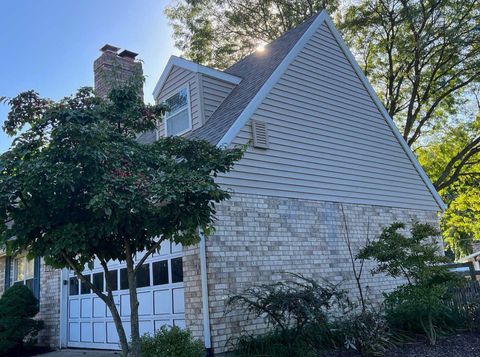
(420, 304)
(297, 309)
(171, 342)
(18, 306)
(291, 304)
(366, 332)
(278, 343)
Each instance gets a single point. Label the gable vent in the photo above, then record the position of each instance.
(260, 134)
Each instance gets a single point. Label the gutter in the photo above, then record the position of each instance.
(205, 305)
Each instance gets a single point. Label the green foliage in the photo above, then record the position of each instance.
(413, 257)
(18, 306)
(278, 343)
(218, 33)
(171, 342)
(419, 55)
(76, 185)
(366, 332)
(291, 304)
(419, 305)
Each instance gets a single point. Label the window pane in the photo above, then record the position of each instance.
(98, 281)
(177, 270)
(113, 279)
(143, 276)
(19, 269)
(29, 284)
(29, 273)
(177, 102)
(73, 286)
(160, 272)
(123, 279)
(84, 288)
(178, 123)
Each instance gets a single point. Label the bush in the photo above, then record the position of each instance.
(278, 343)
(420, 305)
(291, 304)
(366, 332)
(18, 306)
(171, 342)
(297, 309)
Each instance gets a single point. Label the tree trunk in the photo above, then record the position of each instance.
(114, 311)
(132, 288)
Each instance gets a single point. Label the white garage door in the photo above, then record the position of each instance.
(160, 294)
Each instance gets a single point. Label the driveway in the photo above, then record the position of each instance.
(81, 353)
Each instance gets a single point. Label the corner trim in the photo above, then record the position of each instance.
(204, 284)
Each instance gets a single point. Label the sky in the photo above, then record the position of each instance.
(50, 45)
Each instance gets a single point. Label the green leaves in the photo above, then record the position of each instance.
(76, 184)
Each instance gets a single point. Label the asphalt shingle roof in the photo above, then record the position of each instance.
(254, 70)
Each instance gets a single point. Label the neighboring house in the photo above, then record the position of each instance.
(322, 149)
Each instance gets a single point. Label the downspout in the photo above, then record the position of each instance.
(205, 305)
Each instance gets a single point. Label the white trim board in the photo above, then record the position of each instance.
(194, 67)
(250, 109)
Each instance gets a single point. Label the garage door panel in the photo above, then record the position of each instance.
(178, 301)
(86, 332)
(99, 332)
(74, 331)
(179, 323)
(163, 301)
(116, 300)
(145, 301)
(124, 305)
(112, 335)
(74, 308)
(145, 326)
(86, 307)
(99, 307)
(159, 323)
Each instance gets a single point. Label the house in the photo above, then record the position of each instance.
(324, 154)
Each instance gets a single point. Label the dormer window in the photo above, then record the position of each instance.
(178, 119)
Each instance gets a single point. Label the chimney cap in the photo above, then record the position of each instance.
(128, 54)
(109, 48)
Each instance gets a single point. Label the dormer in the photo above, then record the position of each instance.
(193, 92)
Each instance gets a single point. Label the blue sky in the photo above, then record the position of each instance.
(50, 45)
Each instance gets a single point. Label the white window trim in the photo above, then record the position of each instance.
(190, 124)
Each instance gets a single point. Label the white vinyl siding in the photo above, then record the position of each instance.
(214, 92)
(327, 139)
(180, 78)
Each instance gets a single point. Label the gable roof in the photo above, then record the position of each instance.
(194, 67)
(255, 70)
(260, 71)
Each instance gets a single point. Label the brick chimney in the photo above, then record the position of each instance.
(114, 66)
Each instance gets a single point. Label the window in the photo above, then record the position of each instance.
(73, 286)
(143, 276)
(20, 270)
(84, 289)
(23, 271)
(98, 281)
(177, 270)
(160, 272)
(177, 119)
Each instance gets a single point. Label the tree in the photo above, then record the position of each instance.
(218, 33)
(76, 186)
(421, 56)
(420, 303)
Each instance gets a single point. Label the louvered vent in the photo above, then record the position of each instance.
(260, 134)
